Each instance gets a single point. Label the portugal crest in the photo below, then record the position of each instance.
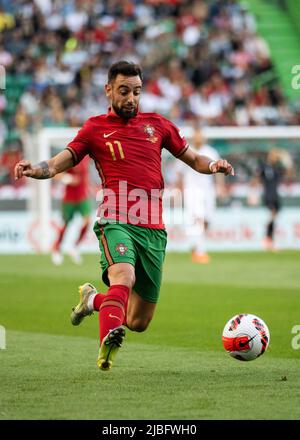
(150, 131)
(121, 249)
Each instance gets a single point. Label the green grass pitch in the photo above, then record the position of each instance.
(177, 369)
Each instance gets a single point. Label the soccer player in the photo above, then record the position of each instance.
(200, 191)
(271, 173)
(125, 145)
(75, 200)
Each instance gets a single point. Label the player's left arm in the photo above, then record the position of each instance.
(205, 165)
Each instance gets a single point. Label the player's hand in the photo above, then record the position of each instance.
(24, 168)
(221, 166)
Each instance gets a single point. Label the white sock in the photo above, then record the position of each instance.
(201, 248)
(90, 303)
(200, 241)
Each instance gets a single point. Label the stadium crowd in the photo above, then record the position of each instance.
(201, 60)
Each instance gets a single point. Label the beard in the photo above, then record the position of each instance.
(124, 112)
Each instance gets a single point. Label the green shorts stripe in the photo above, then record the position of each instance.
(105, 247)
(144, 248)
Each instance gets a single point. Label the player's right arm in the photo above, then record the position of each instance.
(47, 168)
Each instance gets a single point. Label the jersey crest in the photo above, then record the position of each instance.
(121, 249)
(150, 131)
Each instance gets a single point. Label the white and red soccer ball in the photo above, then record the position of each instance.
(245, 337)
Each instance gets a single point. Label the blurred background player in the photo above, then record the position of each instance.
(75, 200)
(276, 166)
(200, 192)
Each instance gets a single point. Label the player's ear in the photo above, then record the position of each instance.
(108, 90)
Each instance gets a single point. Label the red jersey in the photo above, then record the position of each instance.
(78, 192)
(127, 155)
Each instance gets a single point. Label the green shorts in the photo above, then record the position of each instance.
(70, 209)
(144, 248)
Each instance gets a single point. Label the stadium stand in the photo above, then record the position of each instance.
(201, 60)
(277, 24)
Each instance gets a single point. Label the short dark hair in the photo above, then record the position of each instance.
(124, 68)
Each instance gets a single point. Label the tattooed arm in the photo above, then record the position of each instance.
(46, 169)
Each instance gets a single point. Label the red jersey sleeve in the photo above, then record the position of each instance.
(174, 141)
(79, 146)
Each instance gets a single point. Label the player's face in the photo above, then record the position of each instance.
(124, 94)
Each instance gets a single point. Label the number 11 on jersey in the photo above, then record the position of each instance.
(111, 146)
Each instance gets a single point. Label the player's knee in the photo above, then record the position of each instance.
(138, 324)
(122, 276)
(125, 280)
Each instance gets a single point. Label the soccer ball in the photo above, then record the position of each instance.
(246, 337)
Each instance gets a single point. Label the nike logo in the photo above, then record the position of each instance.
(243, 344)
(113, 316)
(106, 135)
